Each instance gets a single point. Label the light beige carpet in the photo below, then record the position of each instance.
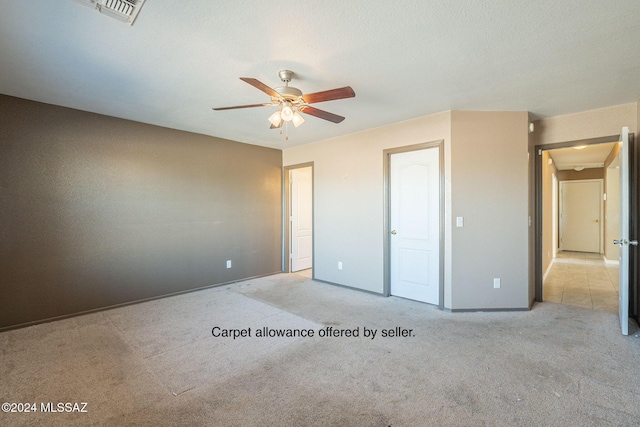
(157, 363)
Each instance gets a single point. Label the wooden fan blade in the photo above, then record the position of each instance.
(329, 95)
(263, 87)
(312, 111)
(242, 106)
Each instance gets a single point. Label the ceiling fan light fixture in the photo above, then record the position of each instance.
(297, 119)
(276, 119)
(287, 112)
(290, 100)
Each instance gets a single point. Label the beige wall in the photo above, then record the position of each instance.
(349, 203)
(588, 124)
(489, 189)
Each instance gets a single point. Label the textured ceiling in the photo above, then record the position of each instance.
(404, 59)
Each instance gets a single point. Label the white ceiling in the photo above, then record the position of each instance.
(404, 59)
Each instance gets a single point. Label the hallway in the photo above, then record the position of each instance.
(583, 280)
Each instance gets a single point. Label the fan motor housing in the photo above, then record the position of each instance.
(288, 92)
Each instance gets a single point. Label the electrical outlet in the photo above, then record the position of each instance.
(339, 265)
(496, 283)
(228, 263)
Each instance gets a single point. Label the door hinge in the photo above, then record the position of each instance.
(540, 152)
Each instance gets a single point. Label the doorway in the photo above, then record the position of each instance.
(573, 270)
(580, 215)
(413, 223)
(298, 221)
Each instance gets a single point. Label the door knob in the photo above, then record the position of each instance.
(596, 220)
(394, 232)
(623, 242)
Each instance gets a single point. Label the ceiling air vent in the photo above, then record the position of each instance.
(123, 10)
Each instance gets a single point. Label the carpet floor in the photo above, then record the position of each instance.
(243, 355)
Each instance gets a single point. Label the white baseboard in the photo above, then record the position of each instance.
(544, 276)
(611, 261)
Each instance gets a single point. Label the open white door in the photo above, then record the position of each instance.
(624, 240)
(301, 218)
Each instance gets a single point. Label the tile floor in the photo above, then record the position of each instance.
(306, 273)
(584, 280)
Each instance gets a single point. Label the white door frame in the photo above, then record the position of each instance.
(301, 218)
(387, 212)
(286, 215)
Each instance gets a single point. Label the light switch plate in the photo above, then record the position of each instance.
(459, 221)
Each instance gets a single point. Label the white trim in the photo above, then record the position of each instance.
(611, 261)
(546, 273)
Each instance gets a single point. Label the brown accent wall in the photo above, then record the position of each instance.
(97, 211)
(590, 173)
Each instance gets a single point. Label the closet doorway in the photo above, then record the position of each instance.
(298, 221)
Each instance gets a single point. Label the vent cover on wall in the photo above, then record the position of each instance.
(123, 10)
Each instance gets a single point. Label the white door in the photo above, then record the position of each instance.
(625, 239)
(301, 218)
(415, 225)
(580, 210)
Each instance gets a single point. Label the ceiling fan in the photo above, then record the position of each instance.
(292, 101)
